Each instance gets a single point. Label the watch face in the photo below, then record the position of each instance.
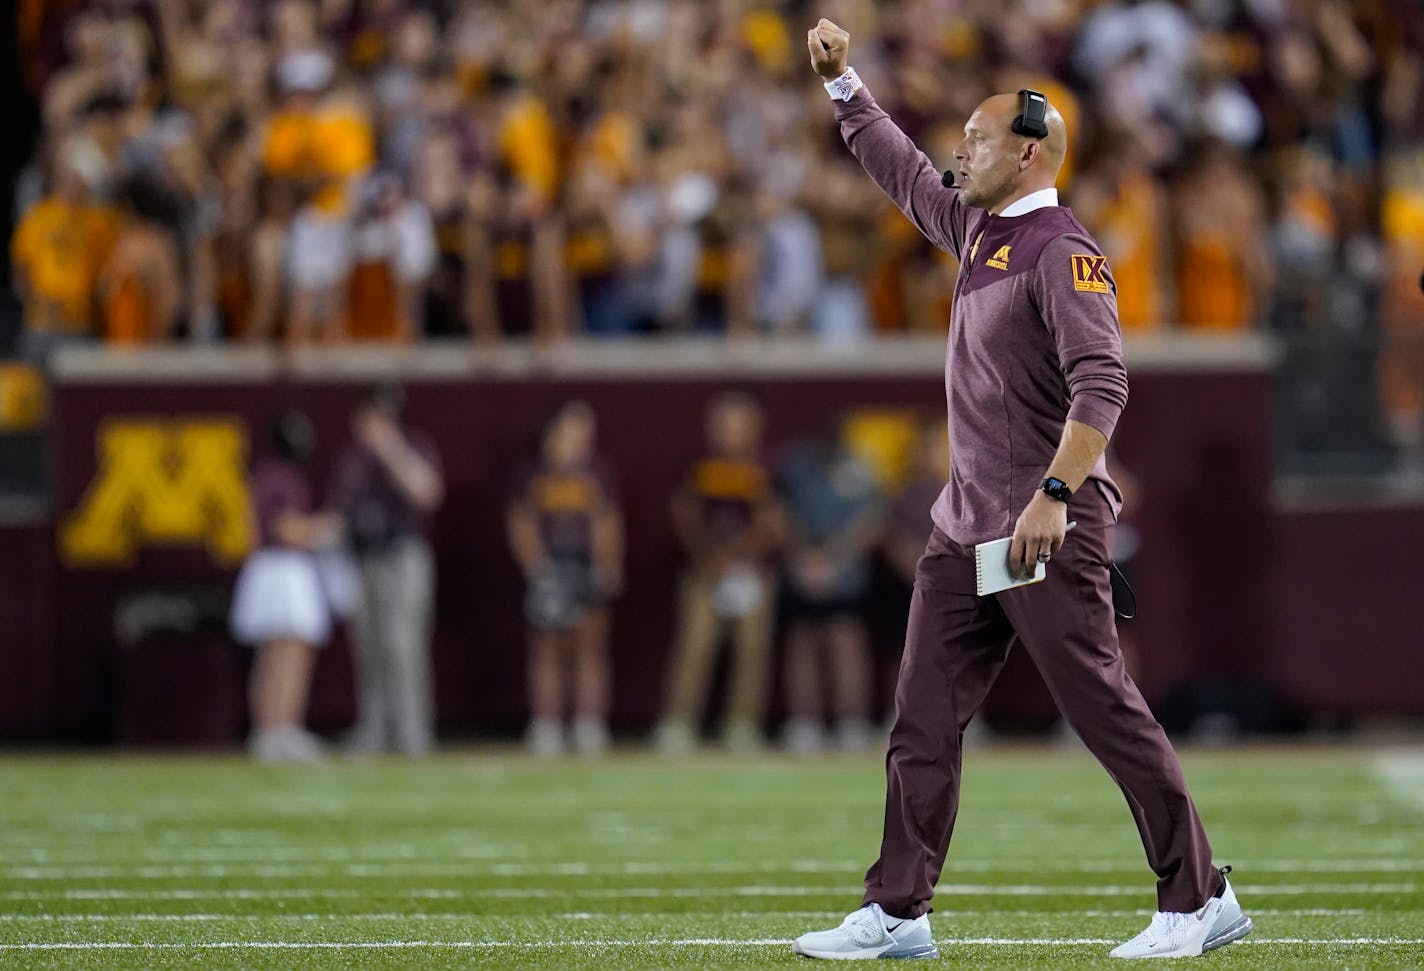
(1057, 489)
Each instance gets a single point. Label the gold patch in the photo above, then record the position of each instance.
(565, 493)
(1000, 259)
(1088, 273)
(730, 480)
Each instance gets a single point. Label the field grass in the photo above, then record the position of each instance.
(479, 859)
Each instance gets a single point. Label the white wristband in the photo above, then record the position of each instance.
(844, 87)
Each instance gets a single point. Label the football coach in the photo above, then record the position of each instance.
(1035, 384)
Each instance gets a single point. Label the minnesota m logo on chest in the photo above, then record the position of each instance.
(1000, 259)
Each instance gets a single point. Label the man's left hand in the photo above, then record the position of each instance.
(1038, 534)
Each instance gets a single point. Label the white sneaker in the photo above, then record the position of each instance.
(803, 736)
(590, 736)
(854, 734)
(302, 746)
(265, 745)
(1173, 935)
(290, 744)
(870, 933)
(674, 739)
(544, 738)
(742, 737)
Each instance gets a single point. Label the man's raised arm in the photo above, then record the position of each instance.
(901, 170)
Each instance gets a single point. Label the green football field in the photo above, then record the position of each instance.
(480, 859)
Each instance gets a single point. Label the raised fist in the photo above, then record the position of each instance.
(830, 47)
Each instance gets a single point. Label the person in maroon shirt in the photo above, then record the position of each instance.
(1035, 384)
(386, 485)
(280, 604)
(566, 531)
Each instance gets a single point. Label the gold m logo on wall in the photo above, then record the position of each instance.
(169, 482)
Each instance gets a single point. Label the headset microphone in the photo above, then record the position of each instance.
(947, 180)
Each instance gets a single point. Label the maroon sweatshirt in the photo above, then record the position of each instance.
(1033, 337)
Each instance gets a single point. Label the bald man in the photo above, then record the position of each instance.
(1035, 384)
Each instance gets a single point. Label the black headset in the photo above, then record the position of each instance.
(1033, 112)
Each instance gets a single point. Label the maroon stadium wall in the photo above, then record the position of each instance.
(1229, 592)
(28, 570)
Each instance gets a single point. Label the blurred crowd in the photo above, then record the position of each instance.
(316, 171)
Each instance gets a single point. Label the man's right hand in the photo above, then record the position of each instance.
(830, 49)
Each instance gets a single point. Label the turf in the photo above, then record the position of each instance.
(480, 859)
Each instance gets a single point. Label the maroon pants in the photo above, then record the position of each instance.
(955, 647)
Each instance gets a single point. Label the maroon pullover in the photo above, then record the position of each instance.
(1033, 337)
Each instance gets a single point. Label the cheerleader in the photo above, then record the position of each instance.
(281, 606)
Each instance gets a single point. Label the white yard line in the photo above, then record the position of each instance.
(420, 868)
(622, 915)
(1333, 941)
(635, 943)
(169, 872)
(943, 890)
(231, 893)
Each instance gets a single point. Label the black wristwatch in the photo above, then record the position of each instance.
(1056, 489)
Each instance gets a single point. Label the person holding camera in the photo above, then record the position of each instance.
(387, 484)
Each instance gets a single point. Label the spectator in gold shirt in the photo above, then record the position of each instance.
(320, 142)
(59, 248)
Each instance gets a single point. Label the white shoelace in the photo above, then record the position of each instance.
(866, 927)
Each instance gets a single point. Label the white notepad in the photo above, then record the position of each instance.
(991, 568)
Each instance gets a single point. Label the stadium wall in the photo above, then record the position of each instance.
(28, 569)
(1347, 630)
(1216, 588)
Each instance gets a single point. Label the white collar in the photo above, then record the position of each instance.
(1032, 201)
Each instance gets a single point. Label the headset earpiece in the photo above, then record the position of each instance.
(1031, 121)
